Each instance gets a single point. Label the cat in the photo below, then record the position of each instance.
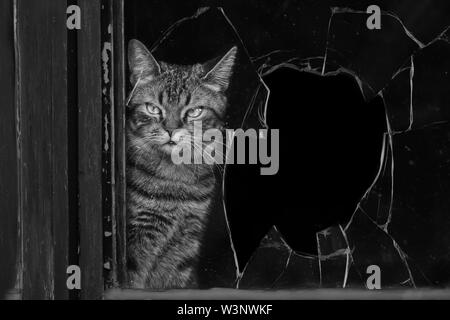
(168, 204)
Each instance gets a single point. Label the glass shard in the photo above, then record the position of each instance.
(334, 257)
(267, 263)
(373, 56)
(420, 223)
(371, 245)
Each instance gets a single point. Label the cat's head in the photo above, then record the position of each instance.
(167, 99)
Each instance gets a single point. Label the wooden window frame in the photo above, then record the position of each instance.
(58, 91)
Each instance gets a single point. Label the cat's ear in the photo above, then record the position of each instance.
(218, 77)
(141, 62)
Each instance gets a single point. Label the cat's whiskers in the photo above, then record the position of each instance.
(213, 160)
(139, 148)
(142, 150)
(199, 148)
(216, 151)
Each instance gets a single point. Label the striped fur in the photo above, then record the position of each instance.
(168, 205)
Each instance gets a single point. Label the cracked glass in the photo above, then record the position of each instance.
(400, 223)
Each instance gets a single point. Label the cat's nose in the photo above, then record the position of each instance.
(170, 131)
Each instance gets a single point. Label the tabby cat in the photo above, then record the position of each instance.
(168, 204)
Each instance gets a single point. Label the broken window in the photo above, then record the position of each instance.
(401, 130)
(360, 102)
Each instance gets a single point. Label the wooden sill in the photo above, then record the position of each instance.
(306, 294)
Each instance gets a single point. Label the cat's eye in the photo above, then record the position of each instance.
(153, 109)
(195, 112)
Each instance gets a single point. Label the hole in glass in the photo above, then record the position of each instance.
(330, 146)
